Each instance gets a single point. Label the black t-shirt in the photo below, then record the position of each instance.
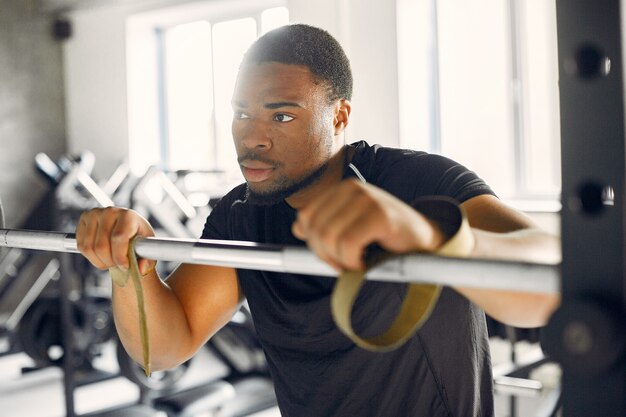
(444, 370)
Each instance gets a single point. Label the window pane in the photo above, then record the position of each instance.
(417, 72)
(475, 85)
(189, 95)
(274, 18)
(459, 89)
(230, 41)
(541, 97)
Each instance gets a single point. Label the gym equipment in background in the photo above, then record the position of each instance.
(35, 319)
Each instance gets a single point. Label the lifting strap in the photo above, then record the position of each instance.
(420, 299)
(120, 278)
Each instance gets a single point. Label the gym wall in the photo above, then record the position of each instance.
(32, 108)
(95, 57)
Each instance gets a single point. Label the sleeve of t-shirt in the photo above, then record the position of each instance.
(420, 174)
(457, 181)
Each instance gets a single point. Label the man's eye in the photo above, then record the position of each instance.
(283, 118)
(240, 115)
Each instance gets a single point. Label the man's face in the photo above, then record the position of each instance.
(283, 128)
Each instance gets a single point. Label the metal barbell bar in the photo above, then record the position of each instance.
(458, 272)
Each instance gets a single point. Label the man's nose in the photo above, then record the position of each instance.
(256, 136)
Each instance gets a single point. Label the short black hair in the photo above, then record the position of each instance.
(300, 44)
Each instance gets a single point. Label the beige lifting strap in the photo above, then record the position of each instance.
(420, 299)
(120, 278)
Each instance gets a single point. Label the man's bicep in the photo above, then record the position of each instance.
(487, 212)
(209, 295)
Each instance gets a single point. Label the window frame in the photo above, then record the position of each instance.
(518, 113)
(147, 127)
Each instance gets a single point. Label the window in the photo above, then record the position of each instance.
(478, 83)
(193, 80)
(201, 60)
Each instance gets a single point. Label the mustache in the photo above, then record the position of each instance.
(254, 156)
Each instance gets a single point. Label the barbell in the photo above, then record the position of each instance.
(425, 268)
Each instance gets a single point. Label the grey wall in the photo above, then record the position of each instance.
(32, 115)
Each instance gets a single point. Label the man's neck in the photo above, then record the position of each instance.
(331, 176)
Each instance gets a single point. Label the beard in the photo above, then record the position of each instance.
(284, 188)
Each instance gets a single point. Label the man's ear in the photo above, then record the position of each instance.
(342, 115)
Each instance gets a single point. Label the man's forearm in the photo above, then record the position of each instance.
(516, 308)
(168, 330)
(526, 245)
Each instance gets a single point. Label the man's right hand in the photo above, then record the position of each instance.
(182, 313)
(103, 236)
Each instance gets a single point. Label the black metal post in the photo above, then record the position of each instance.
(67, 327)
(586, 335)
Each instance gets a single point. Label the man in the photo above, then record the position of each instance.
(291, 106)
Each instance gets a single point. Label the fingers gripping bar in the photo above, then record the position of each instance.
(433, 269)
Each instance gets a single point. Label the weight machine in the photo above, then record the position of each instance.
(38, 325)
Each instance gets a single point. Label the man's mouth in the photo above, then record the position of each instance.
(256, 171)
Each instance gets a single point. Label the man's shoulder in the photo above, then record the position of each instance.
(386, 155)
(364, 148)
(411, 173)
(376, 160)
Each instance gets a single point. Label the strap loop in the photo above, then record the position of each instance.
(120, 278)
(420, 299)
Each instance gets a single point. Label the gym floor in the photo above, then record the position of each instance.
(40, 393)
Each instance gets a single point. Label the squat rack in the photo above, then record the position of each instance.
(586, 334)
